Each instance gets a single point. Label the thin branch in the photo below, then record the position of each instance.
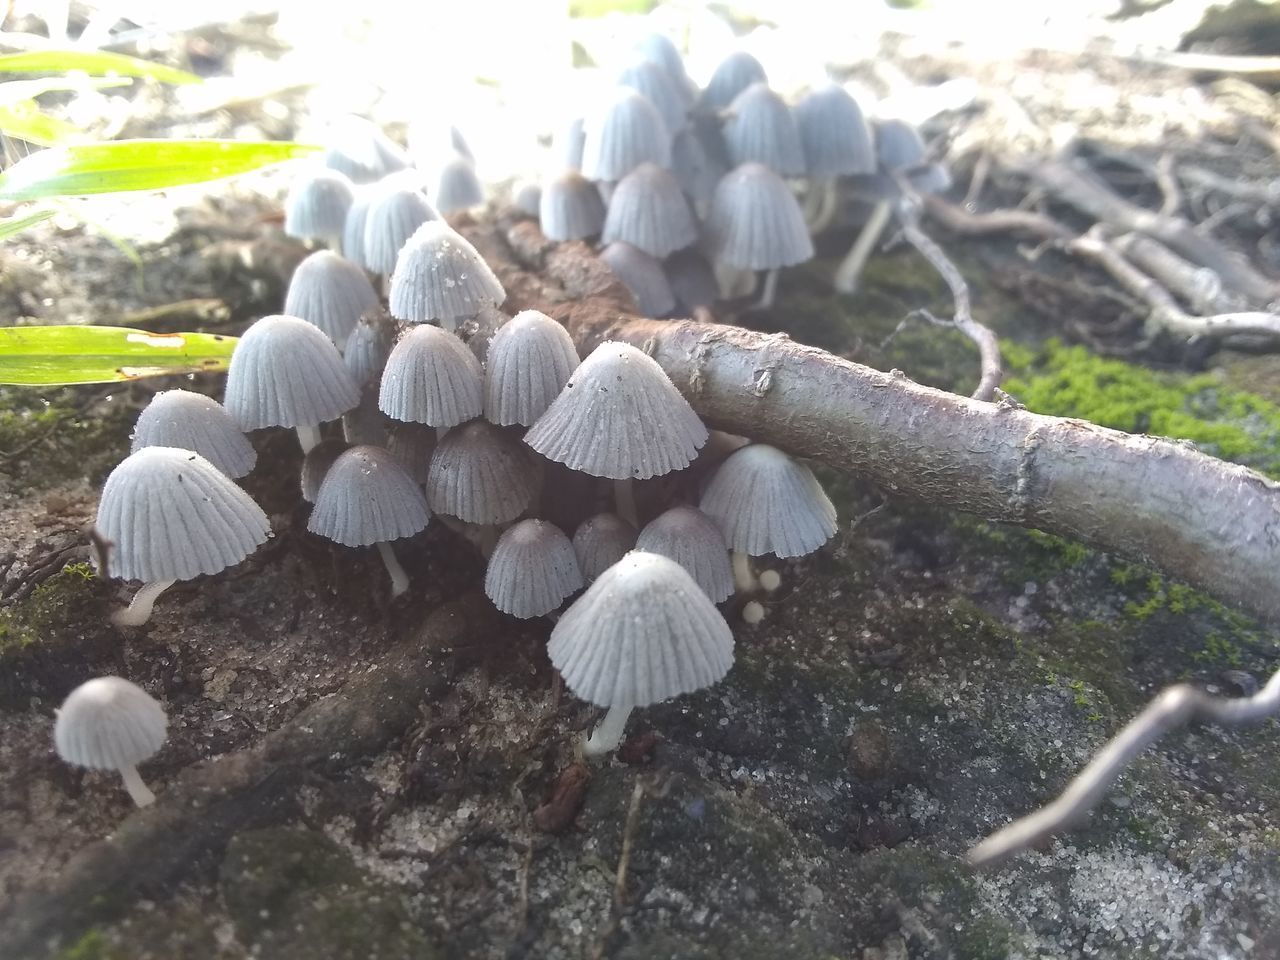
(1172, 709)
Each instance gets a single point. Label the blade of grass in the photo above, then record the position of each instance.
(121, 165)
(15, 224)
(93, 62)
(59, 355)
(26, 121)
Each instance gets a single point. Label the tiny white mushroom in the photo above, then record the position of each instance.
(111, 724)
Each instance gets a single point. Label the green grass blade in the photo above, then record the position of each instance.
(26, 121)
(91, 61)
(120, 165)
(16, 224)
(61, 355)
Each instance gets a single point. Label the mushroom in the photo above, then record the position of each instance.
(600, 542)
(526, 196)
(837, 142)
(642, 275)
(369, 346)
(168, 514)
(354, 225)
(109, 723)
(530, 359)
(316, 464)
(440, 276)
(652, 81)
(642, 633)
(690, 538)
(570, 208)
(358, 148)
(649, 211)
(330, 293)
(658, 48)
(627, 132)
(482, 475)
(532, 569)
(317, 204)
(756, 224)
(192, 421)
(394, 216)
(431, 377)
(734, 74)
(368, 498)
(413, 445)
(692, 281)
(567, 144)
(286, 373)
(759, 128)
(696, 169)
(457, 186)
(619, 417)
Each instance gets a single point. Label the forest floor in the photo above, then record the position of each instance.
(918, 682)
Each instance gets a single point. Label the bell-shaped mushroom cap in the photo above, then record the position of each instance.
(642, 633)
(532, 570)
(431, 377)
(316, 464)
(286, 373)
(642, 275)
(457, 186)
(527, 197)
(600, 542)
(619, 417)
(690, 538)
(695, 170)
(692, 280)
(735, 73)
(357, 218)
(898, 145)
(651, 81)
(760, 129)
(649, 211)
(482, 475)
(755, 222)
(368, 347)
(627, 132)
(358, 148)
(440, 276)
(393, 218)
(330, 293)
(566, 145)
(413, 445)
(109, 723)
(317, 204)
(531, 358)
(836, 136)
(192, 421)
(170, 514)
(657, 48)
(765, 502)
(368, 498)
(570, 208)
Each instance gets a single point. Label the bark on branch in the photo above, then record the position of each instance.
(1156, 501)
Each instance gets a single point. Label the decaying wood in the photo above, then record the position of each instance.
(1159, 502)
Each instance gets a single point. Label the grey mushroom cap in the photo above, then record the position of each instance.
(695, 169)
(330, 293)
(659, 49)
(286, 373)
(393, 218)
(619, 417)
(413, 445)
(642, 633)
(642, 275)
(360, 149)
(600, 542)
(567, 144)
(530, 359)
(440, 276)
(570, 208)
(836, 137)
(368, 347)
(735, 73)
(761, 129)
(755, 222)
(317, 204)
(109, 723)
(527, 197)
(691, 279)
(192, 421)
(169, 514)
(367, 497)
(354, 225)
(690, 538)
(532, 570)
(316, 464)
(651, 81)
(765, 502)
(432, 377)
(481, 474)
(648, 210)
(898, 145)
(628, 132)
(457, 186)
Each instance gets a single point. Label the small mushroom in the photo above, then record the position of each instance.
(394, 216)
(482, 475)
(192, 421)
(570, 208)
(109, 723)
(692, 281)
(649, 211)
(658, 48)
(642, 633)
(761, 129)
(600, 542)
(432, 377)
(330, 293)
(440, 276)
(530, 359)
(457, 186)
(837, 143)
(734, 74)
(369, 346)
(317, 204)
(652, 81)
(642, 275)
(532, 569)
(690, 538)
(627, 132)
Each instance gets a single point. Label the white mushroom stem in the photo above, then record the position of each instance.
(830, 204)
(399, 579)
(850, 269)
(624, 496)
(139, 610)
(743, 578)
(308, 437)
(770, 291)
(608, 735)
(142, 796)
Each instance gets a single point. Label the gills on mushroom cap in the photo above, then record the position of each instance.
(600, 542)
(330, 293)
(761, 129)
(109, 723)
(649, 211)
(625, 133)
(532, 570)
(431, 377)
(530, 359)
(440, 276)
(482, 475)
(690, 538)
(570, 208)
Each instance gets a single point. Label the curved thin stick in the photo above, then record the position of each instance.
(1171, 709)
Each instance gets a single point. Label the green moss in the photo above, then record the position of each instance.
(92, 946)
(59, 434)
(1069, 381)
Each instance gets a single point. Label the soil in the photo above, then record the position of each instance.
(916, 683)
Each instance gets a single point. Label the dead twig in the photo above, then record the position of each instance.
(629, 830)
(1173, 708)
